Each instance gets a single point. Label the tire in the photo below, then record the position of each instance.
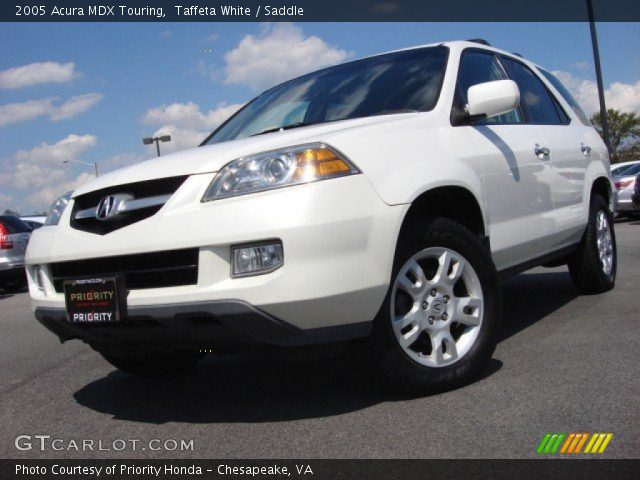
(589, 270)
(421, 368)
(154, 366)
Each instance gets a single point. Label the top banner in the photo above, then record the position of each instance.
(318, 11)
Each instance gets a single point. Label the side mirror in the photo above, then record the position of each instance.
(492, 98)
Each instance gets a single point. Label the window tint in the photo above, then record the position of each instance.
(536, 102)
(622, 169)
(402, 81)
(475, 68)
(567, 96)
(14, 224)
(632, 171)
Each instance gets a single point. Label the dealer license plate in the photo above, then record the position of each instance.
(94, 300)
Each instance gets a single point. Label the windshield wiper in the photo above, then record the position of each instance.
(304, 124)
(284, 127)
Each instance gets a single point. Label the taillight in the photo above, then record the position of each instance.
(5, 241)
(622, 184)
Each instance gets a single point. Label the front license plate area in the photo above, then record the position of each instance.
(94, 300)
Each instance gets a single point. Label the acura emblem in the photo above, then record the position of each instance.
(108, 207)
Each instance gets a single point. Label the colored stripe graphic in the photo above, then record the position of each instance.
(605, 443)
(551, 442)
(543, 443)
(581, 443)
(573, 443)
(565, 447)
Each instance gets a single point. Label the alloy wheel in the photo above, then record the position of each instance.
(604, 241)
(437, 307)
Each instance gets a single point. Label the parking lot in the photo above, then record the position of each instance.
(565, 364)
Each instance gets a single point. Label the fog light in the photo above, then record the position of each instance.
(256, 259)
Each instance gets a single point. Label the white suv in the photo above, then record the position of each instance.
(382, 199)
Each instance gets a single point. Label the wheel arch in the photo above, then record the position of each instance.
(602, 186)
(454, 202)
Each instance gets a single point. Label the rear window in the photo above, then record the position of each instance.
(14, 224)
(632, 171)
(540, 107)
(557, 84)
(622, 169)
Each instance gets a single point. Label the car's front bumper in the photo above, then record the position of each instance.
(201, 326)
(338, 238)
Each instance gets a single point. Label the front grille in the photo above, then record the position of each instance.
(148, 188)
(146, 270)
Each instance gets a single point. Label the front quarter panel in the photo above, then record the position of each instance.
(409, 157)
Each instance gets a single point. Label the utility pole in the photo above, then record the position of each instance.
(596, 57)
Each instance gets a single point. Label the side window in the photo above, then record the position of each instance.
(537, 103)
(478, 67)
(553, 80)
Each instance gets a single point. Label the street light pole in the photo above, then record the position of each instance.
(156, 140)
(596, 57)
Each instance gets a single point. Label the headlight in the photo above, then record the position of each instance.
(279, 168)
(57, 209)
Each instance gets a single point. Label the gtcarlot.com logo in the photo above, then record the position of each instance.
(49, 443)
(574, 443)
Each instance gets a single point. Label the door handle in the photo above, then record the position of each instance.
(541, 151)
(586, 149)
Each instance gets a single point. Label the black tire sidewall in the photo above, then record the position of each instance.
(599, 204)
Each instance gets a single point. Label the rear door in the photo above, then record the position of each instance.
(517, 181)
(568, 146)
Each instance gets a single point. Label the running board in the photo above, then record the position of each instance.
(536, 262)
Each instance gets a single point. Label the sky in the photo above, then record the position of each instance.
(91, 92)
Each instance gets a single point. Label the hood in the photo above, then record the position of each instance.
(211, 158)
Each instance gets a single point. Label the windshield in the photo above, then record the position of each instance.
(395, 82)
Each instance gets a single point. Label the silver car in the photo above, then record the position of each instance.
(625, 183)
(618, 169)
(14, 236)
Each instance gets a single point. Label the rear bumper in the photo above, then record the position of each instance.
(11, 271)
(198, 326)
(624, 201)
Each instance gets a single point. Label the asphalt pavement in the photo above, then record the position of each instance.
(566, 363)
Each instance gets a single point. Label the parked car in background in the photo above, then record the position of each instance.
(625, 184)
(635, 198)
(14, 236)
(618, 169)
(34, 221)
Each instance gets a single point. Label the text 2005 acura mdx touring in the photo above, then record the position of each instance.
(380, 200)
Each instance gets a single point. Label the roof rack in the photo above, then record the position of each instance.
(480, 41)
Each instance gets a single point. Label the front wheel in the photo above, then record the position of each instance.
(153, 366)
(593, 266)
(440, 320)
